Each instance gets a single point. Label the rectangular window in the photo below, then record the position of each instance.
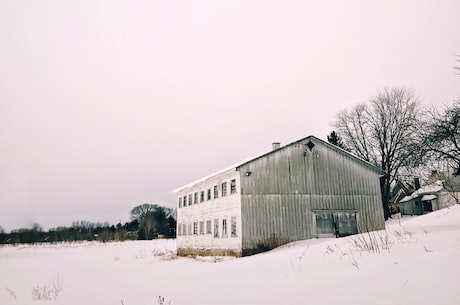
(180, 202)
(216, 192)
(209, 194)
(190, 199)
(195, 198)
(184, 229)
(224, 189)
(208, 227)
(216, 227)
(233, 228)
(201, 196)
(233, 186)
(195, 228)
(201, 227)
(179, 232)
(185, 201)
(224, 227)
(190, 229)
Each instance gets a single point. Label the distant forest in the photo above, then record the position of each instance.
(148, 221)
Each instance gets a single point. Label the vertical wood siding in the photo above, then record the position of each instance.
(284, 189)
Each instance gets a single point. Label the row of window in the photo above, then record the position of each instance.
(220, 228)
(217, 191)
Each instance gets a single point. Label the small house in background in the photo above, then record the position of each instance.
(306, 189)
(400, 190)
(431, 197)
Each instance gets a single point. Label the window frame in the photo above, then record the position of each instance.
(201, 196)
(232, 186)
(216, 228)
(223, 187)
(233, 232)
(195, 228)
(224, 228)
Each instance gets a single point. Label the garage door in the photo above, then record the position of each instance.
(335, 223)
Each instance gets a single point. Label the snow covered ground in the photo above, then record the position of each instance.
(421, 266)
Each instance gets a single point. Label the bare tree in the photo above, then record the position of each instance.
(144, 214)
(441, 137)
(154, 219)
(383, 131)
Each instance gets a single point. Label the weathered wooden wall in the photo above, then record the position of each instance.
(280, 192)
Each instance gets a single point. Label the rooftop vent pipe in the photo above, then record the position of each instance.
(275, 145)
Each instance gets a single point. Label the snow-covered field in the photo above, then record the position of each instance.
(422, 266)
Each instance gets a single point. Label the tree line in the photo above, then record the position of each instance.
(148, 221)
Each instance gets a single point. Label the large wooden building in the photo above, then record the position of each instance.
(306, 189)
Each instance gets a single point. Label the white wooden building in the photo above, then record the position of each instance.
(306, 189)
(431, 197)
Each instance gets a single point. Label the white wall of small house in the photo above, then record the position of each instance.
(193, 218)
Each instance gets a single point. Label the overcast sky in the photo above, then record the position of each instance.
(105, 105)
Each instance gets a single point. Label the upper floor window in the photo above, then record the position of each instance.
(224, 189)
(209, 194)
(190, 199)
(185, 201)
(195, 198)
(180, 202)
(233, 186)
(216, 192)
(201, 196)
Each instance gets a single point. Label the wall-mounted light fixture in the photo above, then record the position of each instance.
(248, 173)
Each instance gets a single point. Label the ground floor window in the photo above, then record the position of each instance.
(221, 228)
(233, 227)
(195, 228)
(224, 228)
(216, 228)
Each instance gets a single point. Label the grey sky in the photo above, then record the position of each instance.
(105, 105)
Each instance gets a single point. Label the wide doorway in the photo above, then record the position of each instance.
(335, 223)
